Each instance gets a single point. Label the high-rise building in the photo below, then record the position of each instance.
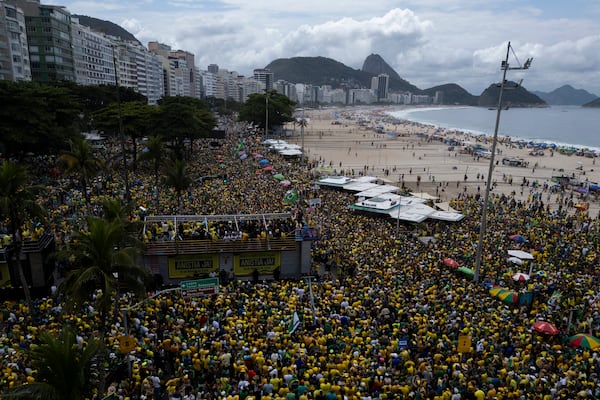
(49, 40)
(178, 70)
(14, 52)
(209, 83)
(140, 70)
(380, 85)
(93, 56)
(266, 76)
(185, 68)
(213, 68)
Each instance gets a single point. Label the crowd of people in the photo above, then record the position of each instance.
(381, 318)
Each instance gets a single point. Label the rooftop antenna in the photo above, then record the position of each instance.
(505, 67)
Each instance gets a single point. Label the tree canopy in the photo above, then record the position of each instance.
(36, 118)
(280, 108)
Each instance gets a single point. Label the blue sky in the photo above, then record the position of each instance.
(428, 42)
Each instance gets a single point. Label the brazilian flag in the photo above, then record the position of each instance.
(291, 196)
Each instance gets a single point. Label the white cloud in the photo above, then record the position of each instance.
(429, 42)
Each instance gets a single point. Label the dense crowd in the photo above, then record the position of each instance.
(381, 319)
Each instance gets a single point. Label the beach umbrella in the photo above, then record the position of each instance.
(466, 271)
(520, 277)
(243, 156)
(523, 255)
(515, 260)
(583, 340)
(545, 327)
(285, 182)
(257, 155)
(450, 262)
(496, 291)
(517, 238)
(279, 177)
(268, 168)
(264, 161)
(258, 172)
(509, 297)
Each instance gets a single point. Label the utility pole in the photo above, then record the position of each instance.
(121, 133)
(482, 227)
(302, 123)
(267, 113)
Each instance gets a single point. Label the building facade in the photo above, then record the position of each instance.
(49, 41)
(93, 56)
(14, 52)
(265, 76)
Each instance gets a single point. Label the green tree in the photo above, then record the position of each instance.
(81, 160)
(154, 153)
(182, 118)
(102, 259)
(63, 368)
(137, 118)
(36, 118)
(18, 204)
(280, 108)
(177, 178)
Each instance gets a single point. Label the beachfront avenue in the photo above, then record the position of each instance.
(382, 316)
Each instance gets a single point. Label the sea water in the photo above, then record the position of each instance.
(562, 125)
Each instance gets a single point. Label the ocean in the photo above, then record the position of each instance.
(562, 125)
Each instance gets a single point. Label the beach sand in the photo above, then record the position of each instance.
(407, 157)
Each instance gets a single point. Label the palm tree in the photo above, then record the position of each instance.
(63, 368)
(156, 153)
(18, 204)
(104, 259)
(176, 177)
(81, 159)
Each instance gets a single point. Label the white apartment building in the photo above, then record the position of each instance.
(93, 56)
(14, 53)
(249, 86)
(362, 96)
(209, 83)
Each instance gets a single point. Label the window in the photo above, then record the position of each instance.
(11, 12)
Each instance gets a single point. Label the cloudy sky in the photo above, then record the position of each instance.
(428, 42)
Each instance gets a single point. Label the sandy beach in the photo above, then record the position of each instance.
(414, 155)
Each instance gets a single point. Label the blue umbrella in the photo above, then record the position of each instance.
(264, 161)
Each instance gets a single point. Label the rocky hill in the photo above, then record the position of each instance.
(566, 95)
(374, 64)
(514, 96)
(593, 103)
(453, 94)
(106, 27)
(326, 71)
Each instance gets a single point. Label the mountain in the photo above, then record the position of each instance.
(325, 71)
(376, 65)
(593, 103)
(453, 94)
(106, 27)
(566, 95)
(514, 96)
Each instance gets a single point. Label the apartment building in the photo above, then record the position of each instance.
(265, 76)
(93, 54)
(14, 52)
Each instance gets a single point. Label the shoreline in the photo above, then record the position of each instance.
(411, 158)
(477, 132)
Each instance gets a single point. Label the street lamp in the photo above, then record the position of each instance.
(482, 228)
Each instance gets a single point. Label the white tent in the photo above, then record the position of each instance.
(523, 255)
